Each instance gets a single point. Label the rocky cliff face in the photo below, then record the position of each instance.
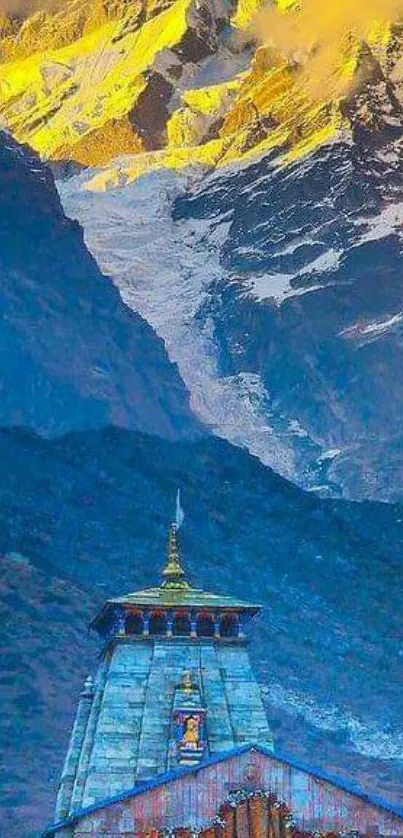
(71, 354)
(310, 299)
(89, 513)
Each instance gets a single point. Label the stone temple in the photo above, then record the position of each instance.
(172, 737)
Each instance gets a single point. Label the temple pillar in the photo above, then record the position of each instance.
(217, 632)
(146, 623)
(242, 828)
(275, 827)
(119, 622)
(170, 623)
(73, 754)
(88, 741)
(227, 814)
(193, 624)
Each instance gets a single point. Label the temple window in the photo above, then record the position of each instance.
(205, 625)
(158, 623)
(134, 624)
(229, 625)
(181, 624)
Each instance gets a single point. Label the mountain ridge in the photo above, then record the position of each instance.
(182, 83)
(81, 350)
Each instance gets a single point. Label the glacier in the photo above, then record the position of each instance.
(277, 291)
(165, 271)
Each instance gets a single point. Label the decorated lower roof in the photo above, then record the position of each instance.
(316, 780)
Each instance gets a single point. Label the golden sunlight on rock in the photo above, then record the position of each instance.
(191, 82)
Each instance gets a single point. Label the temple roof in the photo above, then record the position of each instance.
(167, 597)
(175, 591)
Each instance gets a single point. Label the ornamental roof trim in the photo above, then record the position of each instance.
(177, 773)
(164, 597)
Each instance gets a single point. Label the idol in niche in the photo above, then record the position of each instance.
(190, 738)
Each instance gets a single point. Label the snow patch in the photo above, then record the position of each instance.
(388, 222)
(326, 262)
(280, 287)
(366, 737)
(368, 332)
(331, 454)
(277, 287)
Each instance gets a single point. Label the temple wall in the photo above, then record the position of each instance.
(170, 659)
(113, 757)
(247, 714)
(219, 728)
(88, 743)
(128, 734)
(193, 801)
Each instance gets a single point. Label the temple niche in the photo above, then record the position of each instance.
(189, 722)
(171, 738)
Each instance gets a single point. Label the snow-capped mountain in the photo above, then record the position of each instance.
(173, 83)
(285, 283)
(310, 300)
(278, 268)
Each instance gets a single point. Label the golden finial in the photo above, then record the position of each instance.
(173, 573)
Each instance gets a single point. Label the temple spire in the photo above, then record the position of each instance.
(179, 513)
(173, 572)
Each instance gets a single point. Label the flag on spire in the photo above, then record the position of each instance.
(179, 515)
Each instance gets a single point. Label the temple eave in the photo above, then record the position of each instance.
(171, 598)
(189, 597)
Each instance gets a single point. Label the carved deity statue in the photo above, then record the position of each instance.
(190, 738)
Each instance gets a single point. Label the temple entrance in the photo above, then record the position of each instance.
(253, 815)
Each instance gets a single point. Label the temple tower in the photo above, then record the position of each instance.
(171, 739)
(174, 688)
